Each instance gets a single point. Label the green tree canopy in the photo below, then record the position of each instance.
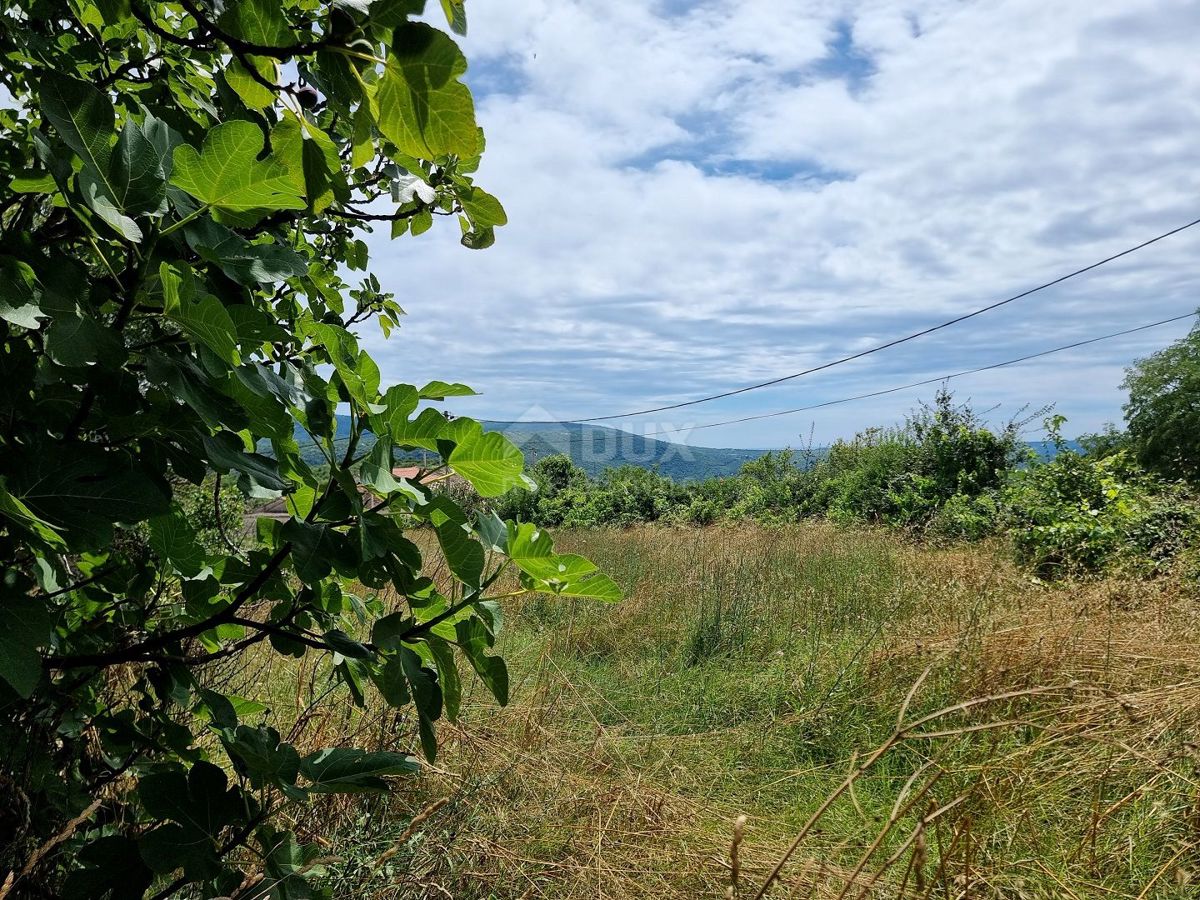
(185, 190)
(1163, 412)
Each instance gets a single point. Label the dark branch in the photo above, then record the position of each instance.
(238, 45)
(146, 650)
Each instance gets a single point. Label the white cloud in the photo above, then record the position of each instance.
(706, 196)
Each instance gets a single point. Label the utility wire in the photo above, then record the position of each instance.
(893, 343)
(904, 387)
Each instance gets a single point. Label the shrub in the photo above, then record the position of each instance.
(904, 476)
(623, 496)
(1078, 515)
(1163, 414)
(963, 518)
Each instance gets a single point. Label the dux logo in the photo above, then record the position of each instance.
(539, 433)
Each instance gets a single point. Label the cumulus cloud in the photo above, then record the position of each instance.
(707, 195)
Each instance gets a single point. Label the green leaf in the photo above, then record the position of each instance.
(173, 539)
(18, 512)
(171, 846)
(484, 210)
(423, 107)
(198, 806)
(463, 555)
(202, 316)
(447, 669)
(227, 175)
(257, 22)
(83, 118)
(258, 475)
(456, 15)
(421, 222)
(363, 138)
(566, 575)
(492, 531)
(315, 549)
(135, 183)
(478, 238)
(427, 695)
(533, 552)
(202, 800)
(111, 867)
(27, 624)
(253, 92)
(376, 469)
(33, 183)
(285, 864)
(116, 185)
(488, 460)
(84, 491)
(473, 639)
(358, 371)
(79, 340)
(422, 432)
(342, 643)
(347, 770)
(312, 160)
(18, 300)
(259, 753)
(439, 390)
(400, 400)
(246, 263)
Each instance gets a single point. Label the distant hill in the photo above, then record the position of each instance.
(595, 448)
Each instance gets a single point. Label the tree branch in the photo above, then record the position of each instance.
(240, 46)
(144, 651)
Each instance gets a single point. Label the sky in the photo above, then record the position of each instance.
(707, 195)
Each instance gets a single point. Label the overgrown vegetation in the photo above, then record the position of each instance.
(943, 475)
(185, 187)
(191, 708)
(769, 664)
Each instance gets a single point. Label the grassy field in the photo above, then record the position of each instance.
(916, 721)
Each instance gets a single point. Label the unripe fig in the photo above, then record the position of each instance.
(308, 97)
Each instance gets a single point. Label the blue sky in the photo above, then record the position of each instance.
(707, 195)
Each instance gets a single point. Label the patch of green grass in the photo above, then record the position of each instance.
(749, 671)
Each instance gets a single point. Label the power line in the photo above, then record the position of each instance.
(927, 381)
(893, 343)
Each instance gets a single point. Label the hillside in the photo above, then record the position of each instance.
(595, 448)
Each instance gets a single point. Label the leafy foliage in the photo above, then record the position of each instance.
(942, 476)
(177, 228)
(899, 477)
(1163, 412)
(1080, 514)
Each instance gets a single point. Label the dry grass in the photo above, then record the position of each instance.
(778, 674)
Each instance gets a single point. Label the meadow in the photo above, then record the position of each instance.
(892, 719)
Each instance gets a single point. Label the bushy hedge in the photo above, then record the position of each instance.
(942, 476)
(1082, 513)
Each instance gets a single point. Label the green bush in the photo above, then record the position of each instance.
(905, 476)
(768, 489)
(963, 518)
(1162, 413)
(1079, 515)
(624, 496)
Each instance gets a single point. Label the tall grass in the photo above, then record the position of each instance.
(918, 722)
